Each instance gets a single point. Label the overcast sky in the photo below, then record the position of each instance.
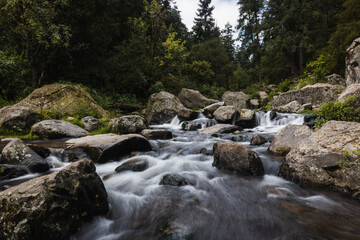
(225, 11)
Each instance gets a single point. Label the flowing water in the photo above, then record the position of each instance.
(217, 204)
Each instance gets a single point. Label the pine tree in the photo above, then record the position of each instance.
(228, 41)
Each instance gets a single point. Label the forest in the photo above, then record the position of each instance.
(125, 50)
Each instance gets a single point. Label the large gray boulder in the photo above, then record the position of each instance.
(105, 147)
(238, 158)
(291, 107)
(162, 107)
(219, 129)
(157, 134)
(237, 99)
(316, 95)
(352, 70)
(128, 124)
(191, 98)
(335, 79)
(55, 129)
(328, 158)
(53, 206)
(246, 119)
(91, 123)
(209, 110)
(352, 90)
(288, 138)
(17, 153)
(18, 117)
(225, 114)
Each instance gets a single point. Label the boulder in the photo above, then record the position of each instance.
(175, 180)
(316, 94)
(157, 134)
(17, 153)
(128, 124)
(209, 110)
(246, 119)
(62, 99)
(335, 79)
(263, 98)
(328, 158)
(162, 107)
(190, 126)
(105, 147)
(257, 140)
(271, 88)
(352, 90)
(237, 99)
(91, 123)
(292, 107)
(219, 129)
(288, 138)
(55, 129)
(352, 70)
(191, 98)
(238, 158)
(225, 114)
(18, 117)
(135, 165)
(187, 115)
(53, 206)
(11, 171)
(254, 103)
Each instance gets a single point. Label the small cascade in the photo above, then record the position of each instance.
(265, 121)
(175, 121)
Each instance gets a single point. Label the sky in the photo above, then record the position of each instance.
(225, 11)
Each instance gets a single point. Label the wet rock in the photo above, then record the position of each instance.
(135, 165)
(91, 123)
(162, 107)
(219, 129)
(128, 124)
(187, 115)
(292, 107)
(40, 150)
(157, 134)
(237, 99)
(273, 115)
(246, 119)
(257, 140)
(225, 114)
(254, 103)
(104, 147)
(310, 119)
(174, 180)
(11, 171)
(53, 129)
(335, 79)
(17, 153)
(190, 126)
(18, 117)
(288, 138)
(209, 110)
(64, 99)
(352, 90)
(191, 98)
(238, 158)
(352, 70)
(53, 206)
(205, 151)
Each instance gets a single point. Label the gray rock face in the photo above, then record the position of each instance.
(316, 94)
(175, 180)
(335, 79)
(288, 138)
(292, 107)
(191, 98)
(105, 147)
(53, 206)
(237, 99)
(238, 158)
(18, 117)
(17, 153)
(162, 107)
(257, 140)
(352, 90)
(128, 124)
(11, 171)
(54, 129)
(352, 70)
(212, 108)
(91, 123)
(320, 160)
(157, 134)
(219, 129)
(135, 165)
(225, 114)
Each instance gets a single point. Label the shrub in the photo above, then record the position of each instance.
(284, 86)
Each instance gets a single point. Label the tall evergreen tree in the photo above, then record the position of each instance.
(228, 41)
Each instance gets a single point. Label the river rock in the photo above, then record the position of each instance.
(246, 119)
(157, 134)
(105, 147)
(62, 99)
(316, 94)
(254, 103)
(190, 126)
(352, 90)
(209, 110)
(17, 153)
(257, 140)
(238, 158)
(55, 129)
(174, 180)
(18, 117)
(352, 70)
(263, 98)
(53, 206)
(91, 123)
(225, 114)
(12, 171)
(219, 129)
(191, 98)
(162, 107)
(135, 165)
(329, 158)
(292, 107)
(187, 114)
(237, 99)
(128, 124)
(288, 138)
(335, 79)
